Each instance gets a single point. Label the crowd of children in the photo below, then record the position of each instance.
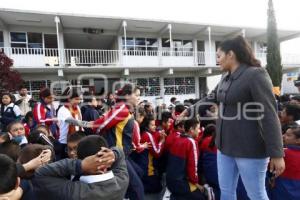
(127, 149)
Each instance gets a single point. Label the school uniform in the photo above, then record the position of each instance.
(287, 185)
(182, 175)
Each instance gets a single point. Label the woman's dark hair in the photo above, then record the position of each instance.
(242, 50)
(145, 123)
(45, 92)
(127, 89)
(69, 93)
(210, 130)
(11, 96)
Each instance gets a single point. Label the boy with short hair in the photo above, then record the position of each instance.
(182, 176)
(96, 180)
(9, 181)
(287, 185)
(72, 143)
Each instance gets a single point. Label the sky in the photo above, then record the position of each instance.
(250, 13)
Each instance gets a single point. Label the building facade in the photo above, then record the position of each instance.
(165, 58)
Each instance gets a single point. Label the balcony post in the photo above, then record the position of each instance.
(209, 45)
(124, 25)
(60, 41)
(159, 53)
(195, 52)
(170, 38)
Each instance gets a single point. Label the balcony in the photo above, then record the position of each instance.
(43, 57)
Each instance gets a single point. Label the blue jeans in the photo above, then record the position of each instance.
(252, 172)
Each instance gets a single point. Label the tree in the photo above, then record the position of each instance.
(10, 80)
(274, 66)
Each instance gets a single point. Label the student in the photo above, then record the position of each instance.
(70, 110)
(287, 185)
(9, 111)
(44, 112)
(120, 130)
(182, 177)
(10, 148)
(172, 137)
(173, 104)
(29, 154)
(9, 181)
(148, 159)
(165, 122)
(28, 122)
(289, 115)
(16, 132)
(23, 100)
(72, 143)
(51, 181)
(88, 110)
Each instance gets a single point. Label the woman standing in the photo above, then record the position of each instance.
(248, 128)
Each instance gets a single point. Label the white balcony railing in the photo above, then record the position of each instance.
(45, 57)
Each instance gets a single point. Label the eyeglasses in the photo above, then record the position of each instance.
(18, 129)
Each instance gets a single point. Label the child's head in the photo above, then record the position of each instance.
(179, 126)
(192, 127)
(140, 115)
(11, 149)
(292, 136)
(4, 137)
(43, 129)
(130, 94)
(290, 113)
(16, 130)
(72, 143)
(7, 98)
(46, 95)
(90, 99)
(28, 119)
(166, 120)
(38, 137)
(30, 152)
(90, 145)
(71, 95)
(8, 175)
(148, 124)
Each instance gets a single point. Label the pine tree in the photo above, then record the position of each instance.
(10, 80)
(274, 66)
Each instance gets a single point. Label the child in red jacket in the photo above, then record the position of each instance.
(147, 160)
(182, 175)
(287, 185)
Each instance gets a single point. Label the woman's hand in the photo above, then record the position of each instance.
(277, 166)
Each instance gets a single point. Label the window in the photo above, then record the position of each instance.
(262, 47)
(180, 47)
(141, 46)
(149, 86)
(1, 39)
(22, 40)
(179, 85)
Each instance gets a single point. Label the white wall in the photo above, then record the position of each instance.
(212, 82)
(288, 83)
